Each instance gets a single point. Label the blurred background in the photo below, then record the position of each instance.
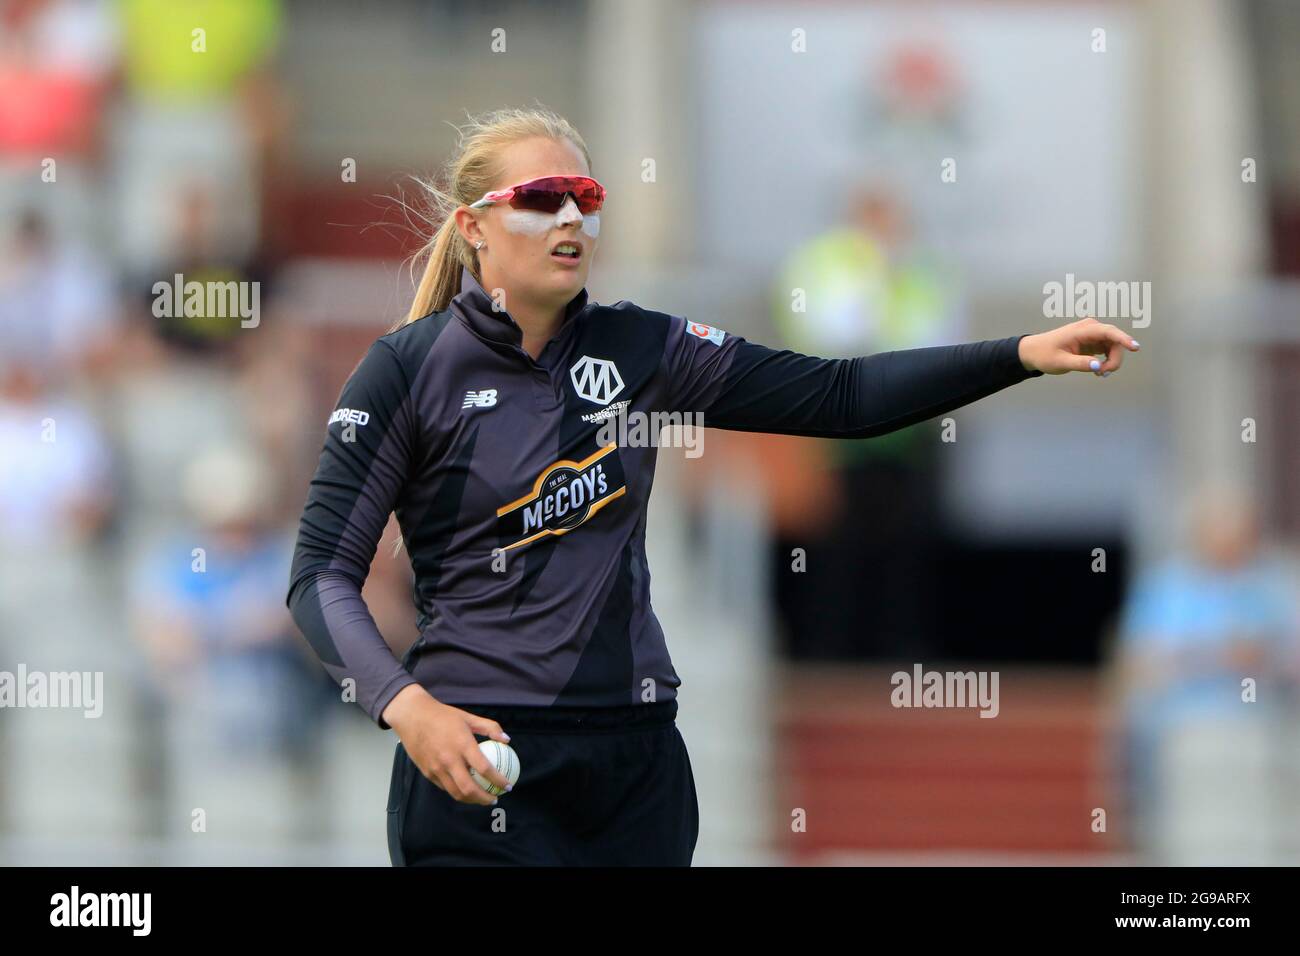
(839, 178)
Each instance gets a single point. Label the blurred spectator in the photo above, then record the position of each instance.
(232, 681)
(57, 64)
(1201, 762)
(163, 406)
(54, 474)
(867, 287)
(57, 301)
(211, 613)
(196, 118)
(273, 387)
(197, 254)
(56, 607)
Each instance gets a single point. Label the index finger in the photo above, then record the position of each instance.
(486, 727)
(1111, 333)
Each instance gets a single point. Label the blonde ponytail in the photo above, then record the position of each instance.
(472, 171)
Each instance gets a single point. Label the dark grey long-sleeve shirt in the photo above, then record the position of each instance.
(527, 538)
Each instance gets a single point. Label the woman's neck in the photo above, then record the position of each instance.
(539, 321)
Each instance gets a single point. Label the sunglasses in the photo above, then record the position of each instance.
(548, 194)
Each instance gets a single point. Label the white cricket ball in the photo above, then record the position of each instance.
(503, 759)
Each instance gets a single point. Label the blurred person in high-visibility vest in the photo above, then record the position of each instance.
(863, 287)
(202, 108)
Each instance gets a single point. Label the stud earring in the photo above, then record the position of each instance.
(478, 245)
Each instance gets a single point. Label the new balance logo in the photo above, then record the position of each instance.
(596, 380)
(484, 398)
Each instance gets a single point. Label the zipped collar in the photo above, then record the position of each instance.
(474, 307)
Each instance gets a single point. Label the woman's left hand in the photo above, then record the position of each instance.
(1083, 346)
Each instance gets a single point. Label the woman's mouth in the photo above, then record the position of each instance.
(567, 252)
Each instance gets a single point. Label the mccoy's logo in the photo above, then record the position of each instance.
(596, 380)
(564, 496)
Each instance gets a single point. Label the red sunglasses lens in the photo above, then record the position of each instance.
(547, 195)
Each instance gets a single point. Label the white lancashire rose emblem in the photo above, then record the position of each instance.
(596, 380)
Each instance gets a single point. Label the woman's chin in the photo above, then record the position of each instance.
(567, 282)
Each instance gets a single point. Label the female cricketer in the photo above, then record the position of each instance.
(476, 422)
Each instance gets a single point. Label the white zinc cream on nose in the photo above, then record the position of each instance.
(568, 213)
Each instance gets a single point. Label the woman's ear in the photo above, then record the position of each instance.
(467, 225)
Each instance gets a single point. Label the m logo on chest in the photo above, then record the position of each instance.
(597, 380)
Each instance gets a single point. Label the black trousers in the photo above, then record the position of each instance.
(597, 787)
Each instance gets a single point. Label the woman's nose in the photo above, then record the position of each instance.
(568, 213)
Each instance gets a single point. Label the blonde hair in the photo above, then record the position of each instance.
(473, 170)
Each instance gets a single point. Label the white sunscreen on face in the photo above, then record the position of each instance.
(531, 223)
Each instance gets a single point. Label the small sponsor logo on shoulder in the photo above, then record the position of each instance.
(700, 330)
(353, 415)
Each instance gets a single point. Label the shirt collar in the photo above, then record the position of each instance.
(474, 306)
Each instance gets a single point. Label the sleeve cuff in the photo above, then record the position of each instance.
(385, 697)
(1017, 367)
